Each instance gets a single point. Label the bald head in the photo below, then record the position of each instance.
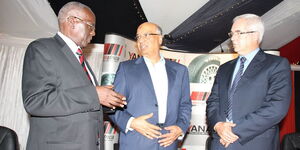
(71, 9)
(151, 25)
(149, 40)
(77, 22)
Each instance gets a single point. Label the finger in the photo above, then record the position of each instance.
(145, 117)
(226, 139)
(169, 128)
(154, 132)
(226, 145)
(222, 142)
(167, 144)
(148, 136)
(232, 136)
(231, 124)
(118, 95)
(165, 140)
(153, 127)
(109, 86)
(116, 103)
(165, 135)
(110, 106)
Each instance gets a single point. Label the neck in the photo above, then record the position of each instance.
(153, 59)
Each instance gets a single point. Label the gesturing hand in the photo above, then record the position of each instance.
(168, 138)
(110, 98)
(141, 125)
(224, 130)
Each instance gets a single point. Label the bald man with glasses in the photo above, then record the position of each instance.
(158, 96)
(60, 91)
(251, 94)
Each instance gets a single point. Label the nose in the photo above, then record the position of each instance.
(233, 37)
(93, 33)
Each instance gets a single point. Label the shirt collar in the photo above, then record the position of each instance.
(72, 45)
(251, 55)
(161, 60)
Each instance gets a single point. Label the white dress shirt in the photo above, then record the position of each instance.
(72, 45)
(159, 79)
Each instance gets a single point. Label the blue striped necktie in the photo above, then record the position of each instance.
(233, 87)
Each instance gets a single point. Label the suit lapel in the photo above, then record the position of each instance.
(171, 74)
(71, 57)
(228, 74)
(255, 65)
(145, 75)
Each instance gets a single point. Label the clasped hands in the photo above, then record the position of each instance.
(224, 130)
(141, 125)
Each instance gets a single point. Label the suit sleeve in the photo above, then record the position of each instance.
(121, 116)
(274, 107)
(213, 102)
(185, 106)
(42, 89)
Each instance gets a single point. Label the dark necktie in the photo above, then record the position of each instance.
(233, 88)
(81, 61)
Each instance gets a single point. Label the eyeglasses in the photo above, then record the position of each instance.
(146, 35)
(230, 34)
(91, 26)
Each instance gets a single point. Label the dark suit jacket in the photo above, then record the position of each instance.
(261, 101)
(133, 80)
(62, 102)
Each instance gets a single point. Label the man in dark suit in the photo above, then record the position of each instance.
(251, 94)
(60, 91)
(158, 96)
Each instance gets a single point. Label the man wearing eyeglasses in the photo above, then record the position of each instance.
(157, 93)
(251, 94)
(60, 91)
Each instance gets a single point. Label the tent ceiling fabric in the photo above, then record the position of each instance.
(27, 18)
(168, 14)
(204, 29)
(208, 27)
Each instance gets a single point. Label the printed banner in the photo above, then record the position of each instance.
(114, 48)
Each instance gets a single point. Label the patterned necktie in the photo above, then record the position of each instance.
(81, 60)
(233, 87)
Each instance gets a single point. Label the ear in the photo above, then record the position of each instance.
(160, 39)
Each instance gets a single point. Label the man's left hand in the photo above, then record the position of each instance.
(168, 138)
(224, 143)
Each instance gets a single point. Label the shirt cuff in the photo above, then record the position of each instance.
(128, 125)
(180, 138)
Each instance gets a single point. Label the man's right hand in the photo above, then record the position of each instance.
(141, 125)
(110, 98)
(224, 130)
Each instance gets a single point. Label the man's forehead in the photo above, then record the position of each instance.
(239, 25)
(146, 28)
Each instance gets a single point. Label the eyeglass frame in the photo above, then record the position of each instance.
(230, 34)
(137, 37)
(91, 26)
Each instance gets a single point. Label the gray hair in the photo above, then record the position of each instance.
(63, 12)
(254, 23)
(159, 30)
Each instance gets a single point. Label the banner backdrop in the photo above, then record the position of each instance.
(202, 70)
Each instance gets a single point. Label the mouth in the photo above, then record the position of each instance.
(143, 46)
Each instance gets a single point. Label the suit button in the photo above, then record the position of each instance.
(156, 105)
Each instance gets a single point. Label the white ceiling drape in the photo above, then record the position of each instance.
(27, 19)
